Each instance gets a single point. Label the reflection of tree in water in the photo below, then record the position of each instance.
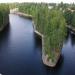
(67, 36)
(5, 32)
(4, 35)
(38, 40)
(72, 39)
(70, 35)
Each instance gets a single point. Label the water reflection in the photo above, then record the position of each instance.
(4, 33)
(38, 40)
(70, 37)
(5, 36)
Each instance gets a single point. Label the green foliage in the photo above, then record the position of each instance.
(63, 6)
(4, 11)
(73, 19)
(55, 31)
(13, 5)
(70, 17)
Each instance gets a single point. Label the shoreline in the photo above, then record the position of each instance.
(22, 14)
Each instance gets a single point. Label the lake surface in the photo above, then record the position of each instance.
(20, 51)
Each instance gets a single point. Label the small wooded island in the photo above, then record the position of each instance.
(49, 23)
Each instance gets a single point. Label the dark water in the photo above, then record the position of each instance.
(20, 52)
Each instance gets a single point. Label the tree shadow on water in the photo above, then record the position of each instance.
(70, 35)
(5, 31)
(38, 40)
(4, 36)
